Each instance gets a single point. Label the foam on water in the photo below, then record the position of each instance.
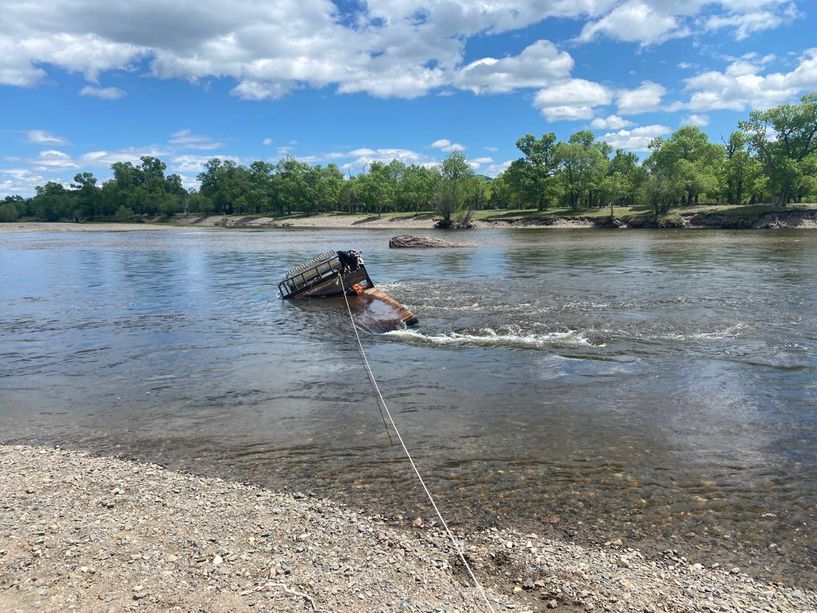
(488, 337)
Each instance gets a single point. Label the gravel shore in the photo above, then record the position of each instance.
(99, 534)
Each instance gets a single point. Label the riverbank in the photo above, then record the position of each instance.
(106, 534)
(723, 217)
(58, 226)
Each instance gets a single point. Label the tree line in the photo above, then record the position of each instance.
(770, 158)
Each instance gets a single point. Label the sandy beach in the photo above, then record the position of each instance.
(318, 221)
(100, 534)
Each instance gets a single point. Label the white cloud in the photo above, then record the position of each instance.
(537, 66)
(696, 119)
(190, 163)
(644, 98)
(41, 137)
(267, 141)
(386, 48)
(746, 24)
(742, 86)
(495, 169)
(446, 145)
(571, 100)
(19, 181)
(104, 159)
(261, 90)
(53, 159)
(611, 122)
(25, 49)
(635, 22)
(363, 157)
(635, 139)
(478, 163)
(185, 139)
(106, 93)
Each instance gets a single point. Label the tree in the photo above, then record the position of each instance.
(11, 208)
(52, 202)
(583, 166)
(533, 175)
(783, 137)
(741, 173)
(86, 195)
(456, 189)
(683, 167)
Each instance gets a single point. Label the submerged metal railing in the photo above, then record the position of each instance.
(309, 273)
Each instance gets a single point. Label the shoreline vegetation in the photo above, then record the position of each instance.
(723, 217)
(770, 158)
(97, 533)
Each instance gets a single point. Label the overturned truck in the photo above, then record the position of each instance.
(335, 273)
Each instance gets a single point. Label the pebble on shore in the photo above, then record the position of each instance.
(84, 533)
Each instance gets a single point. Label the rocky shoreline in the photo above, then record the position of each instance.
(85, 533)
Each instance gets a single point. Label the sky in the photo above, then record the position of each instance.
(85, 83)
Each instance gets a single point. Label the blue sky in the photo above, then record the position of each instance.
(84, 83)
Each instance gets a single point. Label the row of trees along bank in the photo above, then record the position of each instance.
(771, 157)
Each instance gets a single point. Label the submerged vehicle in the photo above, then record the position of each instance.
(335, 273)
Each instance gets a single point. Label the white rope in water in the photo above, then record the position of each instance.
(376, 387)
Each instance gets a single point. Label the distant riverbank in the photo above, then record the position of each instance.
(89, 532)
(694, 217)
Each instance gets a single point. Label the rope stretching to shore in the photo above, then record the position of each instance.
(454, 540)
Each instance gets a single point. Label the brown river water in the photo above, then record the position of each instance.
(654, 386)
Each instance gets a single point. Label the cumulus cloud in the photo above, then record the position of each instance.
(446, 145)
(696, 119)
(537, 66)
(362, 158)
(635, 22)
(104, 159)
(190, 163)
(742, 85)
(571, 100)
(647, 97)
(41, 137)
(106, 93)
(745, 24)
(497, 168)
(611, 122)
(53, 159)
(635, 139)
(19, 181)
(384, 48)
(652, 22)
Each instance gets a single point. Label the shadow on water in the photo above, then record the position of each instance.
(653, 386)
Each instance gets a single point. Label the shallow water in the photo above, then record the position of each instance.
(655, 386)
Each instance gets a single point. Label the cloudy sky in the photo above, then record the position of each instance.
(84, 83)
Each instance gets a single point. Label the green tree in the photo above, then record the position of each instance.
(456, 190)
(783, 137)
(582, 168)
(683, 167)
(533, 175)
(52, 202)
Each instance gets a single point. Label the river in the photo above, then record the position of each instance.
(654, 386)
